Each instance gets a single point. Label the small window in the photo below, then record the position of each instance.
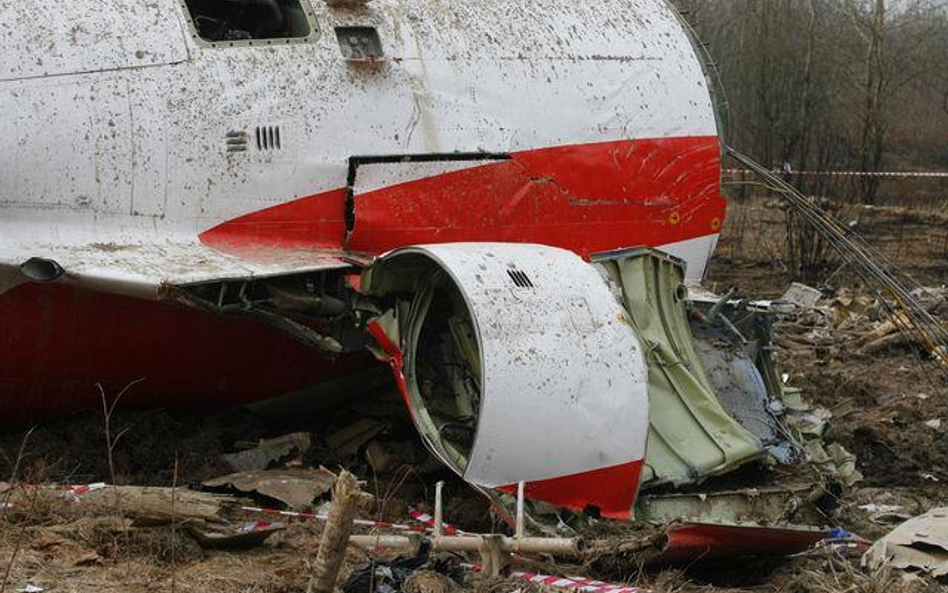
(233, 22)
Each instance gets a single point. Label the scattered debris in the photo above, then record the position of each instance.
(919, 544)
(294, 487)
(268, 452)
(802, 295)
(778, 503)
(347, 441)
(763, 506)
(886, 514)
(387, 577)
(246, 535)
(386, 458)
(692, 542)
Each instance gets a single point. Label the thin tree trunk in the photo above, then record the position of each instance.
(335, 538)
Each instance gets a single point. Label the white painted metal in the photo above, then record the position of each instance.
(564, 380)
(92, 142)
(42, 39)
(695, 253)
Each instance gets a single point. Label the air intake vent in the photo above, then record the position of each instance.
(268, 138)
(236, 141)
(520, 278)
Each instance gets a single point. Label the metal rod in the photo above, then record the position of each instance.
(520, 493)
(563, 547)
(438, 512)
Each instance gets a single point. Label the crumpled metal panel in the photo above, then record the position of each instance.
(691, 436)
(692, 542)
(739, 386)
(763, 506)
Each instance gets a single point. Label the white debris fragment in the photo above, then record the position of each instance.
(934, 424)
(918, 544)
(802, 295)
(880, 508)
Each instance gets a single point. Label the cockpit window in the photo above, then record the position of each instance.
(233, 22)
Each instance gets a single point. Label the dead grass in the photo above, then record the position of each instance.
(849, 579)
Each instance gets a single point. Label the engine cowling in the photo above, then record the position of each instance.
(518, 363)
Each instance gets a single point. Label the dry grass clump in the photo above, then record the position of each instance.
(847, 577)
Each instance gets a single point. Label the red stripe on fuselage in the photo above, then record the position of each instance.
(586, 198)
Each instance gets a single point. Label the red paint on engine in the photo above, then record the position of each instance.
(611, 491)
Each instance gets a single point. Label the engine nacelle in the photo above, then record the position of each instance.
(518, 363)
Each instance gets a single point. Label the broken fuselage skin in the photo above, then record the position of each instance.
(142, 159)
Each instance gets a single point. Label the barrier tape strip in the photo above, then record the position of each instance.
(935, 174)
(253, 526)
(318, 517)
(84, 489)
(575, 582)
(429, 521)
(426, 520)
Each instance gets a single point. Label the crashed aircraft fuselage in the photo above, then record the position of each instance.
(190, 191)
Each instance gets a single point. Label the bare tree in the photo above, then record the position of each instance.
(832, 84)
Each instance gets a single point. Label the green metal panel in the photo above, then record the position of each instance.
(691, 436)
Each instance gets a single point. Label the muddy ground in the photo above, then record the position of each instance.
(886, 405)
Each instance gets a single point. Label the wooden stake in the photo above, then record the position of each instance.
(332, 547)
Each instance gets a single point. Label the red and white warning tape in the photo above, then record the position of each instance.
(84, 489)
(578, 583)
(66, 491)
(937, 174)
(318, 517)
(252, 526)
(429, 521)
(426, 520)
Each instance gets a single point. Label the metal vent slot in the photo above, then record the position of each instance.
(236, 141)
(268, 138)
(520, 278)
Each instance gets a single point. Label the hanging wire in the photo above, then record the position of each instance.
(891, 285)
